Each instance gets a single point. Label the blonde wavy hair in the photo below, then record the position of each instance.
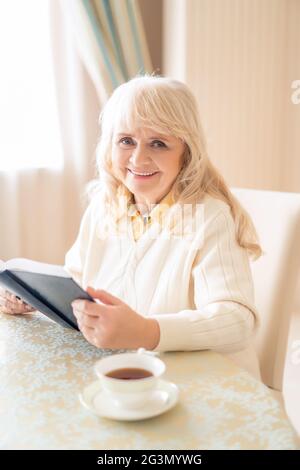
(167, 106)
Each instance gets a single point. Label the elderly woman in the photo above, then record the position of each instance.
(163, 245)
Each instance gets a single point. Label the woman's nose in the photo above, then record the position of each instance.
(139, 156)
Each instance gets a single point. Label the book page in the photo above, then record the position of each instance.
(28, 265)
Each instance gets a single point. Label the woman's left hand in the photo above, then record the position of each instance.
(114, 325)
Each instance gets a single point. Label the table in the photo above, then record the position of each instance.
(43, 367)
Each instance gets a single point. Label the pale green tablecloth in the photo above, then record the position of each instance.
(43, 367)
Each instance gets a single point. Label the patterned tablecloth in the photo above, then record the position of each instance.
(43, 367)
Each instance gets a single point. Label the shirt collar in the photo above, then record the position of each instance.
(157, 210)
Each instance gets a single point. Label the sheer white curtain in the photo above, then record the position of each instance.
(40, 208)
(96, 45)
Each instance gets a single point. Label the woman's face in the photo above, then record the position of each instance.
(146, 162)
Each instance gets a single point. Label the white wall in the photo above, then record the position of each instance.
(240, 58)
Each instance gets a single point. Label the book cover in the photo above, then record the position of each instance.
(46, 287)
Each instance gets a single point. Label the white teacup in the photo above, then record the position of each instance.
(130, 393)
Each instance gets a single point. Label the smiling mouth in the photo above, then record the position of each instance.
(142, 175)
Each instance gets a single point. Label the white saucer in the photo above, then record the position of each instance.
(164, 398)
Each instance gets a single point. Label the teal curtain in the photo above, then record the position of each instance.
(111, 39)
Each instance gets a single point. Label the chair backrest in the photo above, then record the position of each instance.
(276, 217)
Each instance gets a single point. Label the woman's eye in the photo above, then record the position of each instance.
(126, 141)
(158, 143)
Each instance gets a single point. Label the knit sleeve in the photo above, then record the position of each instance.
(225, 315)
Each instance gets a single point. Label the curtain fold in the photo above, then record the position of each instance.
(111, 40)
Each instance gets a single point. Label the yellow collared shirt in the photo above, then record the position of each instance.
(141, 223)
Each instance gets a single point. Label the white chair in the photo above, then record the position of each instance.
(276, 216)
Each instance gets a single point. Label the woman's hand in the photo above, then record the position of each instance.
(113, 324)
(11, 304)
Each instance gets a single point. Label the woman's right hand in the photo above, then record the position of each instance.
(11, 304)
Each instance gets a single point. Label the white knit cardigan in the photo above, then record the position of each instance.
(200, 293)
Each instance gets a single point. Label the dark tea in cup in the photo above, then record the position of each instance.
(121, 377)
(129, 373)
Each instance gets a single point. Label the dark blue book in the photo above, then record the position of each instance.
(46, 287)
